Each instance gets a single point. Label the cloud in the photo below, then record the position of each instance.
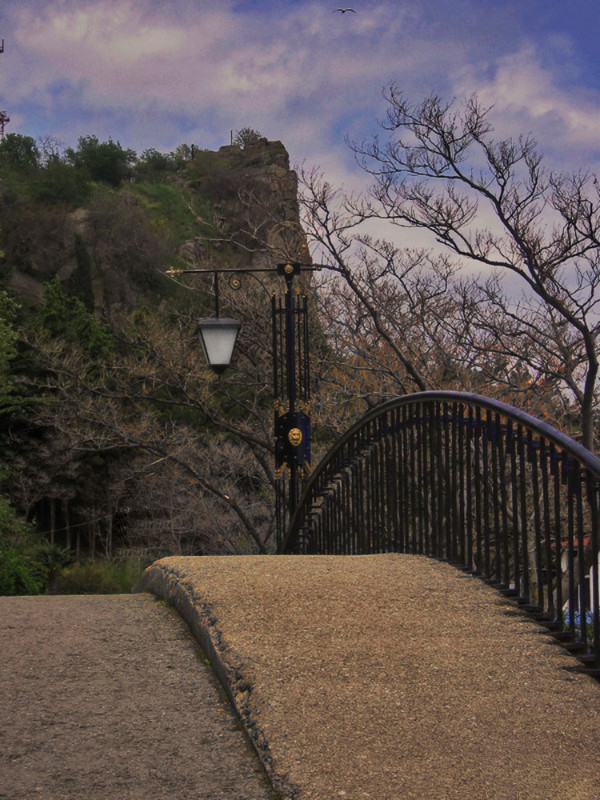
(156, 74)
(118, 51)
(527, 98)
(288, 71)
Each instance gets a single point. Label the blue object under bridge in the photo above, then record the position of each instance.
(475, 482)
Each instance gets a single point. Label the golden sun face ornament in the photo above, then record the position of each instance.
(295, 437)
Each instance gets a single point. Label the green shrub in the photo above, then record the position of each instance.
(102, 161)
(172, 212)
(61, 183)
(247, 137)
(18, 574)
(66, 317)
(99, 576)
(20, 571)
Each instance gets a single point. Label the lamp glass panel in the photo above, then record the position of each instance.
(218, 337)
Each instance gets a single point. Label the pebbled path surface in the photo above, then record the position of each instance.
(110, 698)
(390, 677)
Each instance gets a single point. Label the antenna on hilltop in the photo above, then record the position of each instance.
(4, 118)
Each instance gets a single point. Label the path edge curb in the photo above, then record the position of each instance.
(165, 581)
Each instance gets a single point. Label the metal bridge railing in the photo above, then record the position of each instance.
(473, 481)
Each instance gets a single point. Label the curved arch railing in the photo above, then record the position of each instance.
(473, 481)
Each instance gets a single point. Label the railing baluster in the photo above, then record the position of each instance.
(469, 493)
(413, 473)
(581, 579)
(462, 529)
(432, 483)
(439, 533)
(342, 515)
(405, 477)
(537, 526)
(555, 468)
(486, 494)
(421, 484)
(375, 493)
(511, 442)
(425, 481)
(572, 602)
(524, 516)
(593, 493)
(450, 488)
(393, 478)
(496, 442)
(370, 498)
(382, 497)
(475, 537)
(356, 517)
(549, 607)
(504, 577)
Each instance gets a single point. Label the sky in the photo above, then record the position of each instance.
(153, 74)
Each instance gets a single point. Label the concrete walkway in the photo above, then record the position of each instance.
(109, 698)
(390, 677)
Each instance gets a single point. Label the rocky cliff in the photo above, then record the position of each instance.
(237, 206)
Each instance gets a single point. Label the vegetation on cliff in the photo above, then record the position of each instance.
(116, 438)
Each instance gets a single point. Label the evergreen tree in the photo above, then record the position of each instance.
(80, 282)
(107, 161)
(19, 152)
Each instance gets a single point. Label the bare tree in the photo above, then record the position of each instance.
(155, 401)
(532, 234)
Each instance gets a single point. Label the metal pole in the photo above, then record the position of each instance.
(290, 341)
(216, 294)
(290, 358)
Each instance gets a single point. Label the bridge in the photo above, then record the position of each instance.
(475, 482)
(390, 677)
(418, 648)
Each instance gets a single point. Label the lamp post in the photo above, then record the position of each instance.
(291, 376)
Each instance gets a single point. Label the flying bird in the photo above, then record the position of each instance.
(343, 10)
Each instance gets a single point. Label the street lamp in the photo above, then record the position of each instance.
(291, 380)
(218, 336)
